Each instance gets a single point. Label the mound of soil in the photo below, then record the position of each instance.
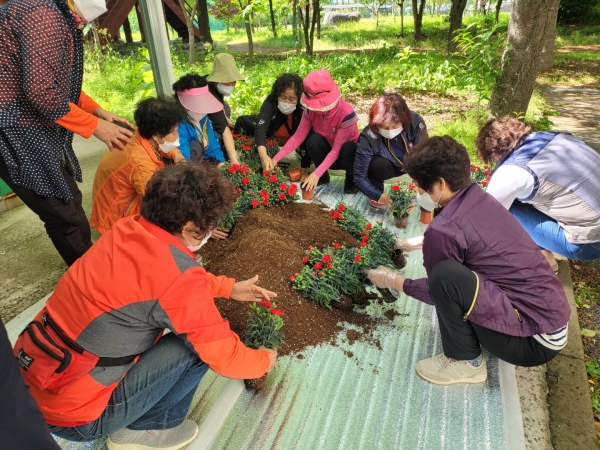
(270, 242)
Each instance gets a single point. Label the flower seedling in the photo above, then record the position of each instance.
(403, 198)
(481, 175)
(264, 326)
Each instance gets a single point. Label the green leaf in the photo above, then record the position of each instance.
(588, 333)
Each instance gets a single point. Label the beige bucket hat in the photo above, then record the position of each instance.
(224, 69)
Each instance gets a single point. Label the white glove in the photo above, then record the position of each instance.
(382, 277)
(409, 244)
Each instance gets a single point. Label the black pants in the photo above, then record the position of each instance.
(318, 148)
(22, 425)
(382, 169)
(452, 287)
(66, 223)
(247, 125)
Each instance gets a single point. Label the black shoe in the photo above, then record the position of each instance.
(350, 188)
(323, 180)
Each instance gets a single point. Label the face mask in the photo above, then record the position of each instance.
(391, 134)
(286, 108)
(196, 117)
(195, 248)
(167, 146)
(89, 10)
(225, 90)
(425, 201)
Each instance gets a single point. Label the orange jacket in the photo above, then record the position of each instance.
(117, 299)
(120, 182)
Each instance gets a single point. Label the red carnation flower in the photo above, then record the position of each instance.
(239, 190)
(362, 233)
(236, 136)
(247, 147)
(336, 215)
(321, 273)
(245, 181)
(236, 166)
(266, 304)
(365, 238)
(330, 266)
(305, 259)
(318, 266)
(488, 172)
(254, 203)
(331, 212)
(314, 274)
(395, 188)
(266, 173)
(336, 245)
(484, 183)
(327, 258)
(263, 194)
(272, 178)
(265, 202)
(283, 186)
(368, 227)
(231, 170)
(277, 312)
(310, 247)
(485, 167)
(363, 244)
(412, 186)
(292, 278)
(341, 208)
(357, 258)
(292, 190)
(282, 197)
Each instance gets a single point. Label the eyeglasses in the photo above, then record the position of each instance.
(308, 94)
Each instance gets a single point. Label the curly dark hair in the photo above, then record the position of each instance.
(158, 117)
(439, 157)
(499, 137)
(389, 109)
(189, 81)
(287, 81)
(179, 193)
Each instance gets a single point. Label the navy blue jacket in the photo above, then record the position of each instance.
(371, 145)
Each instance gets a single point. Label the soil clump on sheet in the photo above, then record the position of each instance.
(271, 242)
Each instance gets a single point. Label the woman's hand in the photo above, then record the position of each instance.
(220, 234)
(180, 159)
(386, 278)
(310, 183)
(385, 200)
(409, 244)
(248, 291)
(110, 117)
(272, 356)
(112, 135)
(268, 163)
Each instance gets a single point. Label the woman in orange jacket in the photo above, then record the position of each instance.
(109, 311)
(121, 177)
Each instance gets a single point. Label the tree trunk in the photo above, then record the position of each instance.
(319, 21)
(204, 22)
(529, 22)
(547, 60)
(402, 19)
(295, 21)
(250, 41)
(189, 20)
(140, 22)
(273, 28)
(127, 30)
(498, 7)
(456, 15)
(418, 18)
(315, 14)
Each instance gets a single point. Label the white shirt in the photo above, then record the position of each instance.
(510, 182)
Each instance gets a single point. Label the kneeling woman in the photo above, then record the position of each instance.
(392, 131)
(486, 278)
(279, 118)
(122, 176)
(333, 121)
(126, 379)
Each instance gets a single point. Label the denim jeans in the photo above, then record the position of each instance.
(155, 394)
(549, 235)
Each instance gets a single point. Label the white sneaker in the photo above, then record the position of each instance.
(443, 370)
(170, 439)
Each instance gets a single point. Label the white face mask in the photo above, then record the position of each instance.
(89, 10)
(391, 134)
(196, 117)
(168, 146)
(225, 90)
(424, 200)
(195, 248)
(286, 108)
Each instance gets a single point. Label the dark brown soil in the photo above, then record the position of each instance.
(256, 383)
(399, 259)
(390, 314)
(270, 242)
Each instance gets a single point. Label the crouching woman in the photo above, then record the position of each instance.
(109, 312)
(488, 281)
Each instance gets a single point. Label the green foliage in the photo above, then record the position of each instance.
(246, 149)
(403, 197)
(349, 219)
(376, 247)
(584, 296)
(579, 11)
(481, 175)
(264, 325)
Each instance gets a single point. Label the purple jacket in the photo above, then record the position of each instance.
(477, 231)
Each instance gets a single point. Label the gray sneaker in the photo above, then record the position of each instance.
(170, 439)
(443, 370)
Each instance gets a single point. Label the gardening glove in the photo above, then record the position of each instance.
(385, 278)
(272, 355)
(409, 244)
(248, 291)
